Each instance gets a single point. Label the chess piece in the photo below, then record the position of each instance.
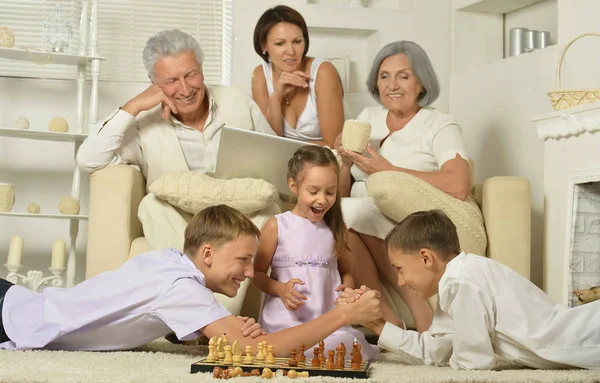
(344, 350)
(301, 356)
(238, 371)
(322, 356)
(303, 374)
(217, 372)
(356, 360)
(267, 373)
(315, 360)
(211, 357)
(230, 373)
(292, 374)
(339, 357)
(322, 348)
(270, 359)
(260, 357)
(225, 338)
(265, 348)
(293, 362)
(236, 351)
(220, 348)
(228, 355)
(330, 361)
(249, 359)
(255, 372)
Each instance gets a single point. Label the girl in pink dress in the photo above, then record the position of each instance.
(306, 251)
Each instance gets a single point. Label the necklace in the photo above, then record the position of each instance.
(287, 100)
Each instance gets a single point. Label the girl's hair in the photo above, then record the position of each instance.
(319, 156)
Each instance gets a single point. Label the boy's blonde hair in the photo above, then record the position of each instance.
(425, 229)
(216, 225)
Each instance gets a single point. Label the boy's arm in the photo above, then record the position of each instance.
(365, 310)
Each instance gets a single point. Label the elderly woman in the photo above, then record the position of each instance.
(415, 148)
(290, 87)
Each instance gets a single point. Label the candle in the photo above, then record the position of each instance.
(15, 251)
(58, 254)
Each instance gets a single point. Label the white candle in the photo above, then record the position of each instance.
(15, 251)
(58, 254)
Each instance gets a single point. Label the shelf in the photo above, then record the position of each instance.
(54, 216)
(39, 135)
(42, 57)
(493, 6)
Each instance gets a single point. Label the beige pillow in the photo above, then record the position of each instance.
(193, 191)
(398, 194)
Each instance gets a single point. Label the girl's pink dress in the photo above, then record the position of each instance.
(305, 250)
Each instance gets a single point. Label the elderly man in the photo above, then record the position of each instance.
(172, 126)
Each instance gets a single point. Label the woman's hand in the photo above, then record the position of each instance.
(291, 298)
(373, 164)
(289, 81)
(252, 328)
(346, 160)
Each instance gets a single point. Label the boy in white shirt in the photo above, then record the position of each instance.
(162, 291)
(484, 308)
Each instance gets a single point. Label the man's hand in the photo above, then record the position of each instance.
(291, 298)
(148, 99)
(251, 328)
(364, 310)
(348, 295)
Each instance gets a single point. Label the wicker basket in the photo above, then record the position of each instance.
(568, 98)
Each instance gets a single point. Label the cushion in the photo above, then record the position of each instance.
(397, 194)
(194, 191)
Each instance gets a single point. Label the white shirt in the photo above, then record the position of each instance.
(486, 309)
(146, 298)
(114, 141)
(427, 141)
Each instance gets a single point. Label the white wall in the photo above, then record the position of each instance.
(41, 170)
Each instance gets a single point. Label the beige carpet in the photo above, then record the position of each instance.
(162, 362)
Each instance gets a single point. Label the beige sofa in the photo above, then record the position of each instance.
(115, 233)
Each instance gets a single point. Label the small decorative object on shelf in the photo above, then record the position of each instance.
(22, 123)
(69, 205)
(58, 125)
(33, 208)
(7, 38)
(7, 197)
(57, 32)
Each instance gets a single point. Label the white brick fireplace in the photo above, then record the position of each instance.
(571, 200)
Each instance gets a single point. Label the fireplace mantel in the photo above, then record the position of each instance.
(570, 122)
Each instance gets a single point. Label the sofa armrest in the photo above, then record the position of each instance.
(506, 207)
(115, 194)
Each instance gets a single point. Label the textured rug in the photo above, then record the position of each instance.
(162, 362)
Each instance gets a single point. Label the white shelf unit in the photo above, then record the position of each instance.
(86, 57)
(492, 6)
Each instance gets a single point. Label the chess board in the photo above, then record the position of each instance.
(282, 364)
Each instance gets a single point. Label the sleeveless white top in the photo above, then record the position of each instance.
(307, 127)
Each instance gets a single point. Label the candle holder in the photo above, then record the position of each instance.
(35, 278)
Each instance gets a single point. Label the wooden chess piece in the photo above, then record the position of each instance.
(303, 374)
(301, 356)
(270, 359)
(316, 362)
(211, 357)
(339, 357)
(236, 351)
(217, 372)
(293, 362)
(228, 355)
(249, 359)
(265, 348)
(322, 351)
(292, 374)
(255, 372)
(343, 350)
(220, 347)
(267, 373)
(330, 360)
(356, 360)
(225, 338)
(260, 357)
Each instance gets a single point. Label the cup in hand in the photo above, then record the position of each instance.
(356, 135)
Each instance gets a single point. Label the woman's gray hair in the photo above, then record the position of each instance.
(421, 66)
(169, 43)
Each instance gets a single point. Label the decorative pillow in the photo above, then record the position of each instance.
(398, 194)
(194, 191)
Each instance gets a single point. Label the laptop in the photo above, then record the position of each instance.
(249, 154)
